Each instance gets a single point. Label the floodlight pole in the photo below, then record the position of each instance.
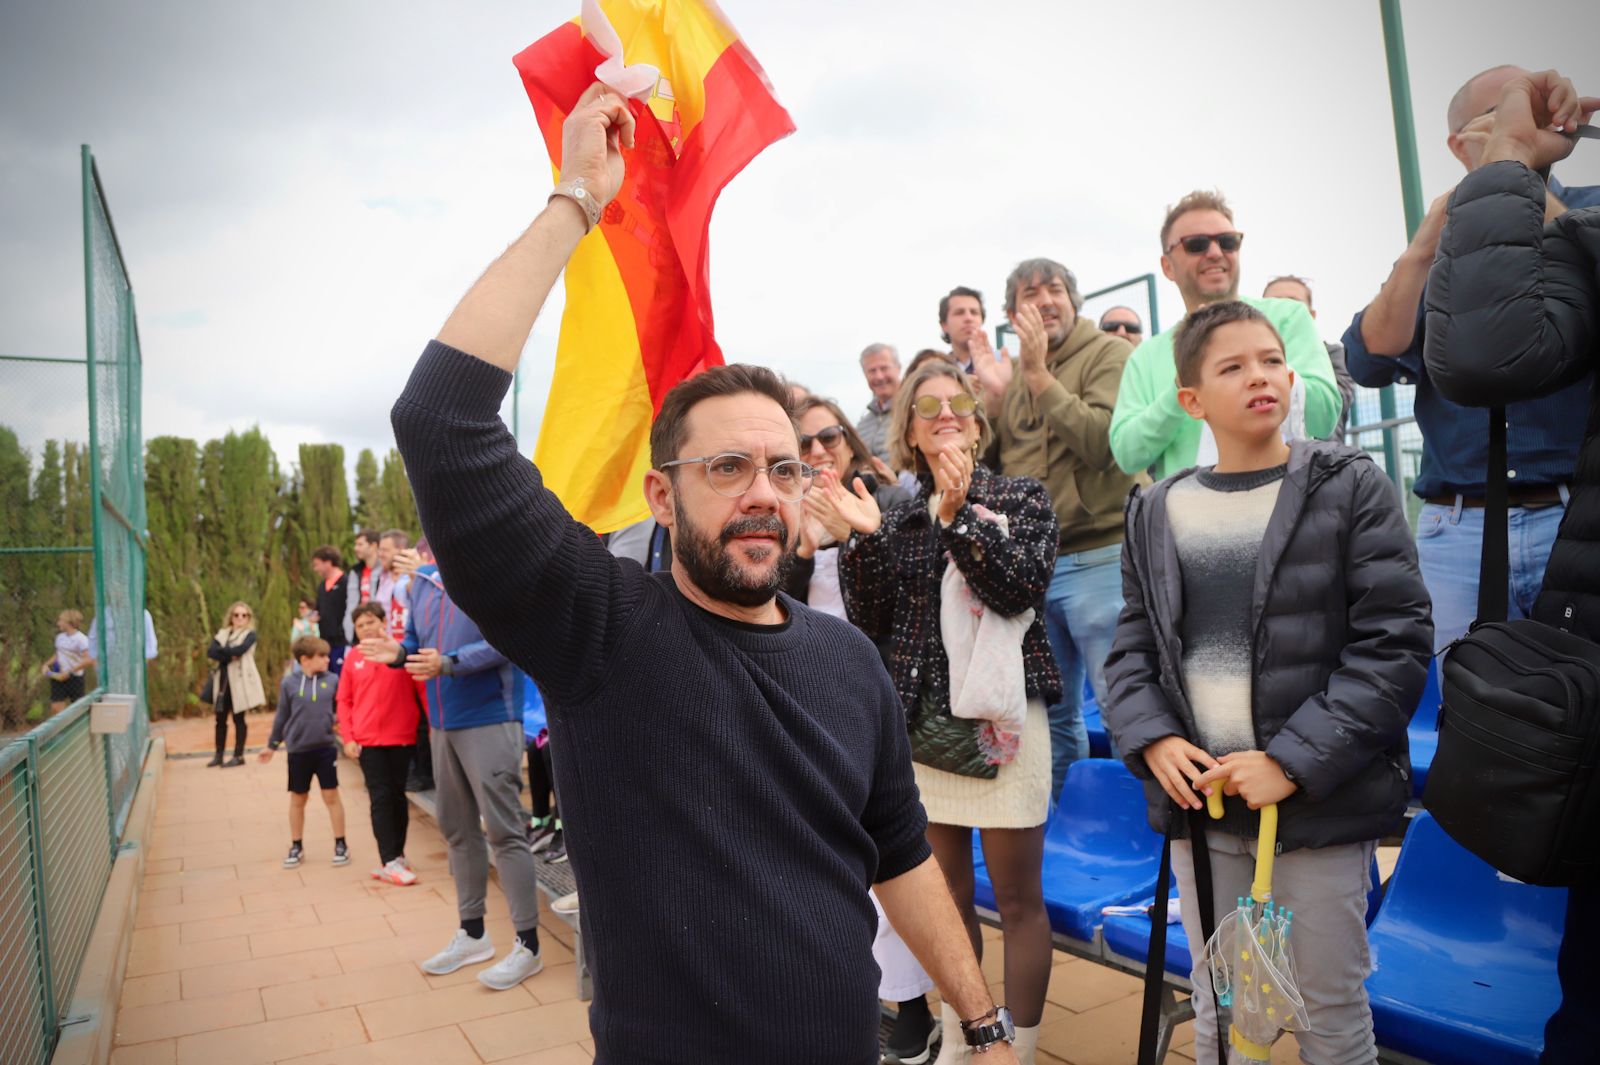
(1405, 142)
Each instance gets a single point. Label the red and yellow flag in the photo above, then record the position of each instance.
(638, 311)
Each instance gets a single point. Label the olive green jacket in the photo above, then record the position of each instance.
(1062, 436)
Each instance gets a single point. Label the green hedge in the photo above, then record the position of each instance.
(226, 522)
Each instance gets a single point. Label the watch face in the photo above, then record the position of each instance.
(1007, 1024)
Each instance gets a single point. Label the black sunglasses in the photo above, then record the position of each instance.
(1127, 327)
(827, 437)
(1197, 244)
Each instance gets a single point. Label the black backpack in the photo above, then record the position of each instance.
(1514, 778)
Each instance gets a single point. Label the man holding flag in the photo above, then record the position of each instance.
(729, 802)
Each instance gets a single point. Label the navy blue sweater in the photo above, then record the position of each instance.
(731, 790)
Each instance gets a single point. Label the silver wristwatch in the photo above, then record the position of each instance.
(576, 191)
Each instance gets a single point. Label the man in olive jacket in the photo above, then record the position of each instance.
(1052, 421)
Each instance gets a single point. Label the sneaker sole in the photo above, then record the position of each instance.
(473, 959)
(291, 865)
(483, 978)
(917, 1058)
(344, 860)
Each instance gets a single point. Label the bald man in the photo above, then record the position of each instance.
(1123, 322)
(1384, 346)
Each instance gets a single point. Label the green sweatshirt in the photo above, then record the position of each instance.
(1150, 431)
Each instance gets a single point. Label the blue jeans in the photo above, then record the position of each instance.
(1449, 546)
(1080, 616)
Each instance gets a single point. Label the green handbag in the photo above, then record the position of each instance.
(941, 740)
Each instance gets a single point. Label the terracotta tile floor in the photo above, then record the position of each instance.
(236, 960)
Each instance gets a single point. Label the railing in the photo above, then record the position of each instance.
(62, 799)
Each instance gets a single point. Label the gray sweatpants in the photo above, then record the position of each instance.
(478, 772)
(1326, 888)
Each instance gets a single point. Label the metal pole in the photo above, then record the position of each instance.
(90, 194)
(1405, 142)
(1150, 299)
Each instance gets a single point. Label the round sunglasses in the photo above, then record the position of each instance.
(961, 405)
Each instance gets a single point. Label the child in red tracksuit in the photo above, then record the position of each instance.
(379, 709)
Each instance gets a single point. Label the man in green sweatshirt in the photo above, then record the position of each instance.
(1200, 254)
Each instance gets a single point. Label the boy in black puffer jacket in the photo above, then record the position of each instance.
(1274, 644)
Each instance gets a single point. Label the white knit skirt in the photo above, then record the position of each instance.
(1017, 797)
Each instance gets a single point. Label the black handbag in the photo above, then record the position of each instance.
(208, 694)
(1514, 777)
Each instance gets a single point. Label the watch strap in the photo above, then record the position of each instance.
(578, 192)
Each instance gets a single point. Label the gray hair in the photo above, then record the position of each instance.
(872, 349)
(1044, 270)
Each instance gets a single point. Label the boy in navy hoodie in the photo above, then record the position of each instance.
(304, 722)
(1274, 643)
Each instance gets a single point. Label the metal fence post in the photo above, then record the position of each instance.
(47, 989)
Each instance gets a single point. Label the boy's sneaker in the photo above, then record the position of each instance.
(341, 853)
(463, 950)
(512, 969)
(395, 873)
(540, 835)
(296, 852)
(566, 905)
(403, 860)
(556, 852)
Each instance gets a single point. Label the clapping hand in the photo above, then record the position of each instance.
(1029, 324)
(384, 649)
(426, 664)
(993, 374)
(952, 475)
(844, 509)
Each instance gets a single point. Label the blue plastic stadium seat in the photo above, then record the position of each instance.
(1098, 849)
(1423, 732)
(1464, 960)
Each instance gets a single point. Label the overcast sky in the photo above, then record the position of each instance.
(303, 190)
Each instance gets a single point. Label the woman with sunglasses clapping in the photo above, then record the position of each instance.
(991, 541)
(235, 682)
(830, 445)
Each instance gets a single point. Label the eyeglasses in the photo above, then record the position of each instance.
(1133, 328)
(731, 474)
(960, 404)
(1200, 242)
(826, 437)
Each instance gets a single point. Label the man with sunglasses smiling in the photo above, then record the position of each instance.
(734, 767)
(1200, 254)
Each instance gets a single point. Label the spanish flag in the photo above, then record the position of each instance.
(638, 308)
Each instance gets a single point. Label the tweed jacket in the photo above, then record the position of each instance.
(891, 579)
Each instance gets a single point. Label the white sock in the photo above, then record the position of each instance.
(954, 1050)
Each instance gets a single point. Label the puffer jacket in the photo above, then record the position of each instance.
(479, 689)
(1342, 637)
(891, 581)
(1514, 314)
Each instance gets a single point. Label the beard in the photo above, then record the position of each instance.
(708, 563)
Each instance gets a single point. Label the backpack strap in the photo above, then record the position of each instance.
(1156, 957)
(1494, 566)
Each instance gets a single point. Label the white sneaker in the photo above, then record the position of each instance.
(395, 873)
(463, 950)
(512, 969)
(566, 905)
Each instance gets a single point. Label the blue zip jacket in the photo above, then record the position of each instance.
(480, 688)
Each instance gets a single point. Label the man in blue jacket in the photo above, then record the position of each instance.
(476, 732)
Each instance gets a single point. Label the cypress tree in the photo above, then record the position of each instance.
(399, 505)
(367, 491)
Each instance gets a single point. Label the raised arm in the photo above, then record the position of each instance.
(539, 585)
(1511, 301)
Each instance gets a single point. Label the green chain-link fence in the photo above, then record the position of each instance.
(71, 538)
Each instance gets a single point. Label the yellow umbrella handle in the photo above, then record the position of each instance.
(1266, 848)
(1214, 802)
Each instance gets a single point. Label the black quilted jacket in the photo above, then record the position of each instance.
(1514, 314)
(1342, 636)
(891, 581)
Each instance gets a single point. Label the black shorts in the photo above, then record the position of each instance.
(322, 763)
(66, 691)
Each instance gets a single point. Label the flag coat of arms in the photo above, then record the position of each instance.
(638, 302)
